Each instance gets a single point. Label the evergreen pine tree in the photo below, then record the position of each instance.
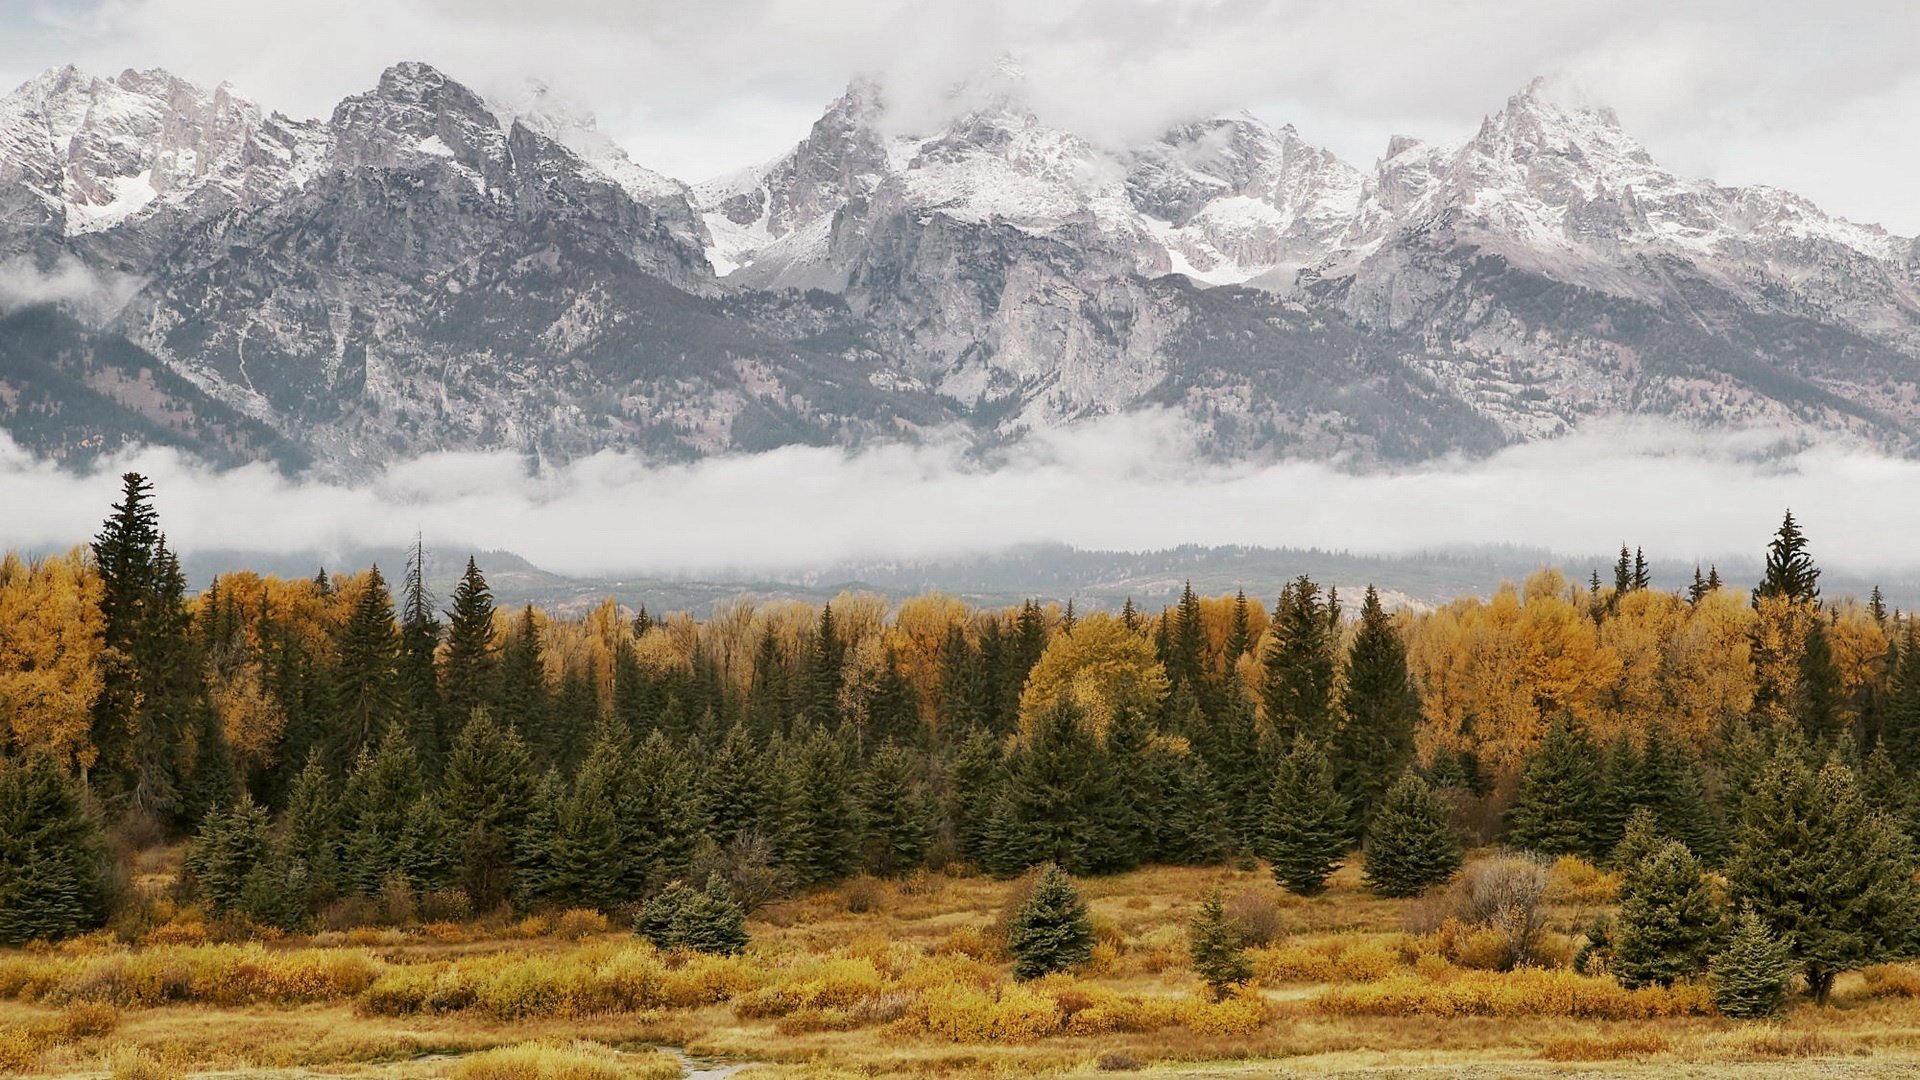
(278, 891)
(894, 813)
(1239, 631)
(1307, 835)
(589, 860)
(662, 810)
(711, 921)
(1230, 747)
(1817, 697)
(1675, 788)
(377, 811)
(1218, 948)
(1790, 571)
(1187, 645)
(1751, 976)
(1051, 931)
(534, 871)
(151, 694)
(472, 655)
(1298, 692)
(418, 685)
(488, 786)
(735, 793)
(974, 778)
(1642, 577)
(52, 854)
(1059, 803)
(367, 674)
(311, 827)
(231, 842)
(822, 811)
(525, 699)
(1554, 809)
(1413, 845)
(821, 680)
(1641, 839)
(1900, 720)
(1823, 870)
(1192, 828)
(1379, 711)
(1670, 921)
(1622, 788)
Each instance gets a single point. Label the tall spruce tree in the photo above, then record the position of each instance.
(662, 817)
(472, 654)
(366, 679)
(1790, 570)
(974, 779)
(1670, 921)
(1307, 835)
(53, 856)
(735, 793)
(1379, 711)
(895, 816)
(488, 786)
(1059, 802)
(589, 860)
(377, 814)
(1413, 845)
(1298, 691)
(824, 672)
(418, 687)
(231, 842)
(151, 694)
(1555, 807)
(1823, 870)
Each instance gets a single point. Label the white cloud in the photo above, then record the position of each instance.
(90, 296)
(1817, 98)
(1127, 484)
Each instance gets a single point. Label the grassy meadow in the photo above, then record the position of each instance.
(911, 978)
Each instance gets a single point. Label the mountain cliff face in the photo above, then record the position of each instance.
(427, 269)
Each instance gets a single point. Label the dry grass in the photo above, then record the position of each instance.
(916, 984)
(579, 1060)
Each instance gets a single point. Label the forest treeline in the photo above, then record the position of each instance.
(335, 746)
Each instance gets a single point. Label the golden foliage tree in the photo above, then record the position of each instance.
(1101, 666)
(50, 649)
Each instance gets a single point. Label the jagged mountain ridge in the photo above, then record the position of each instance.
(427, 269)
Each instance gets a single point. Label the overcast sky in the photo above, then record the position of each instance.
(1823, 99)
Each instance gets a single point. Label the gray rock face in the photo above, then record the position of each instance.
(427, 269)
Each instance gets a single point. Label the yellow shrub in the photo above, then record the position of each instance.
(1013, 1013)
(1241, 1014)
(576, 923)
(974, 942)
(1636, 1044)
(577, 1061)
(19, 1050)
(1573, 880)
(133, 1063)
(1530, 992)
(1893, 980)
(708, 980)
(1341, 958)
(190, 932)
(532, 926)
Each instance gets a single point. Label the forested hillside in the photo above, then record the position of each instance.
(335, 752)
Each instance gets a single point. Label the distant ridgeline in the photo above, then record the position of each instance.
(330, 741)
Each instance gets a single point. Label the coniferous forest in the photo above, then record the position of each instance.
(1716, 786)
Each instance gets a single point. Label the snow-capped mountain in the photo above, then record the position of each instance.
(428, 268)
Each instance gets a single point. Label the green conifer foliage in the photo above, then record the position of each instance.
(1218, 948)
(1412, 845)
(1752, 974)
(1823, 869)
(1298, 691)
(1059, 803)
(488, 788)
(1307, 835)
(1555, 807)
(472, 656)
(52, 855)
(1051, 931)
(705, 921)
(896, 817)
(1379, 711)
(377, 812)
(1670, 921)
(1790, 571)
(231, 842)
(366, 678)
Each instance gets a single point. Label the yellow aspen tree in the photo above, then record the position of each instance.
(1709, 670)
(50, 646)
(1101, 666)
